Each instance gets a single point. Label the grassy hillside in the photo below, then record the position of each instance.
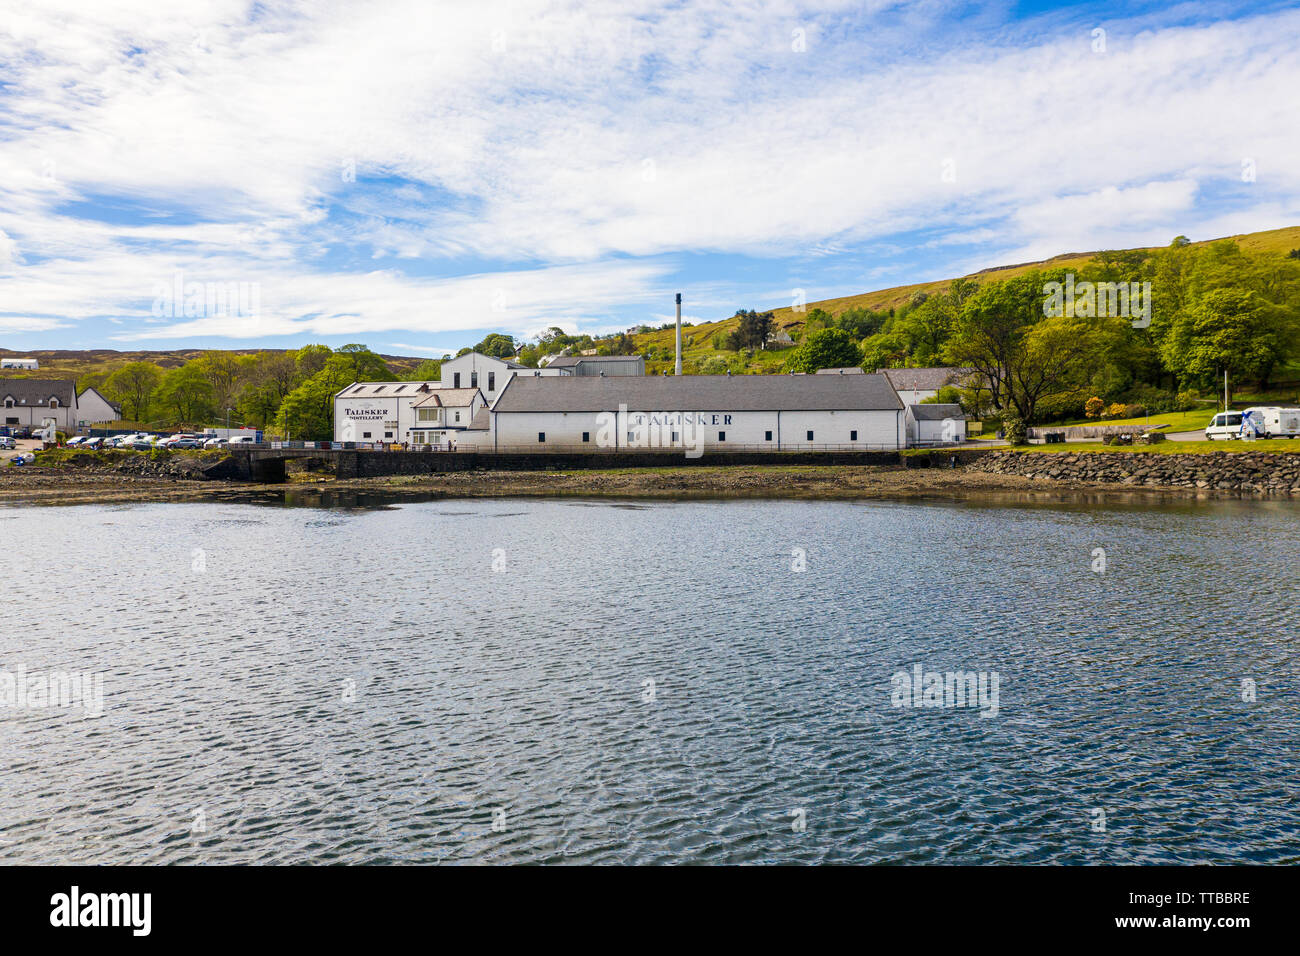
(701, 348)
(63, 363)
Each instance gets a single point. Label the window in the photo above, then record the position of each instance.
(9, 403)
(365, 434)
(54, 403)
(455, 379)
(853, 436)
(631, 437)
(458, 416)
(492, 381)
(722, 436)
(388, 434)
(810, 436)
(473, 379)
(426, 414)
(541, 436)
(674, 437)
(767, 436)
(586, 436)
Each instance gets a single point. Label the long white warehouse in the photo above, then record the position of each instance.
(697, 413)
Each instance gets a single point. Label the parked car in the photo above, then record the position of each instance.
(7, 443)
(92, 443)
(143, 444)
(184, 442)
(215, 442)
(1224, 426)
(241, 440)
(76, 440)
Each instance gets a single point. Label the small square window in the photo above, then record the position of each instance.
(767, 436)
(853, 436)
(586, 436)
(388, 434)
(810, 436)
(722, 436)
(365, 434)
(541, 436)
(674, 438)
(631, 437)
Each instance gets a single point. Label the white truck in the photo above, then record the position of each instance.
(1270, 421)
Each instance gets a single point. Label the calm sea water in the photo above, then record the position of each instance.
(652, 683)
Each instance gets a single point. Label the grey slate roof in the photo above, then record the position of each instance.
(936, 413)
(853, 370)
(925, 379)
(698, 393)
(566, 361)
(28, 392)
(448, 398)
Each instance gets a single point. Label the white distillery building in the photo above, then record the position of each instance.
(697, 413)
(489, 375)
(14, 361)
(597, 365)
(935, 424)
(387, 411)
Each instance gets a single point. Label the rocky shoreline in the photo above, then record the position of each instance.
(1255, 473)
(1088, 476)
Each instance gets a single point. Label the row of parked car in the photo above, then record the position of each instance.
(144, 441)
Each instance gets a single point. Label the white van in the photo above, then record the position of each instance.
(1224, 426)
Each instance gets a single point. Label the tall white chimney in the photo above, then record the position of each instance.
(677, 368)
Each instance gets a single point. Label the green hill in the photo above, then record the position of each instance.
(701, 337)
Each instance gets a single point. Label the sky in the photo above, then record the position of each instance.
(414, 175)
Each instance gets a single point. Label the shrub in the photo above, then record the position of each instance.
(1094, 407)
(1013, 427)
(1115, 410)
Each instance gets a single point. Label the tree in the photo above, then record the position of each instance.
(132, 385)
(497, 345)
(752, 330)
(826, 348)
(1231, 330)
(1022, 357)
(430, 370)
(308, 411)
(187, 394)
(223, 373)
(1094, 407)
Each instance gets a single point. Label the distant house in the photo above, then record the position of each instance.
(38, 402)
(915, 385)
(780, 337)
(93, 408)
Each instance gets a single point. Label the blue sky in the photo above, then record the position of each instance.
(414, 176)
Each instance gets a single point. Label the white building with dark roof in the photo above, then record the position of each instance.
(33, 403)
(697, 413)
(935, 424)
(598, 365)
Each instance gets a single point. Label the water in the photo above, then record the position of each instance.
(356, 684)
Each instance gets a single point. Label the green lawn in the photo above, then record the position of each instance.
(1177, 421)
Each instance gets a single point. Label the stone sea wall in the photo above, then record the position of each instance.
(1260, 473)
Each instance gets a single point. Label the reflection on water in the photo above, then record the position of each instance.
(380, 679)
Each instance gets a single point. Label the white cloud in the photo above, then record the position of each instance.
(553, 139)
